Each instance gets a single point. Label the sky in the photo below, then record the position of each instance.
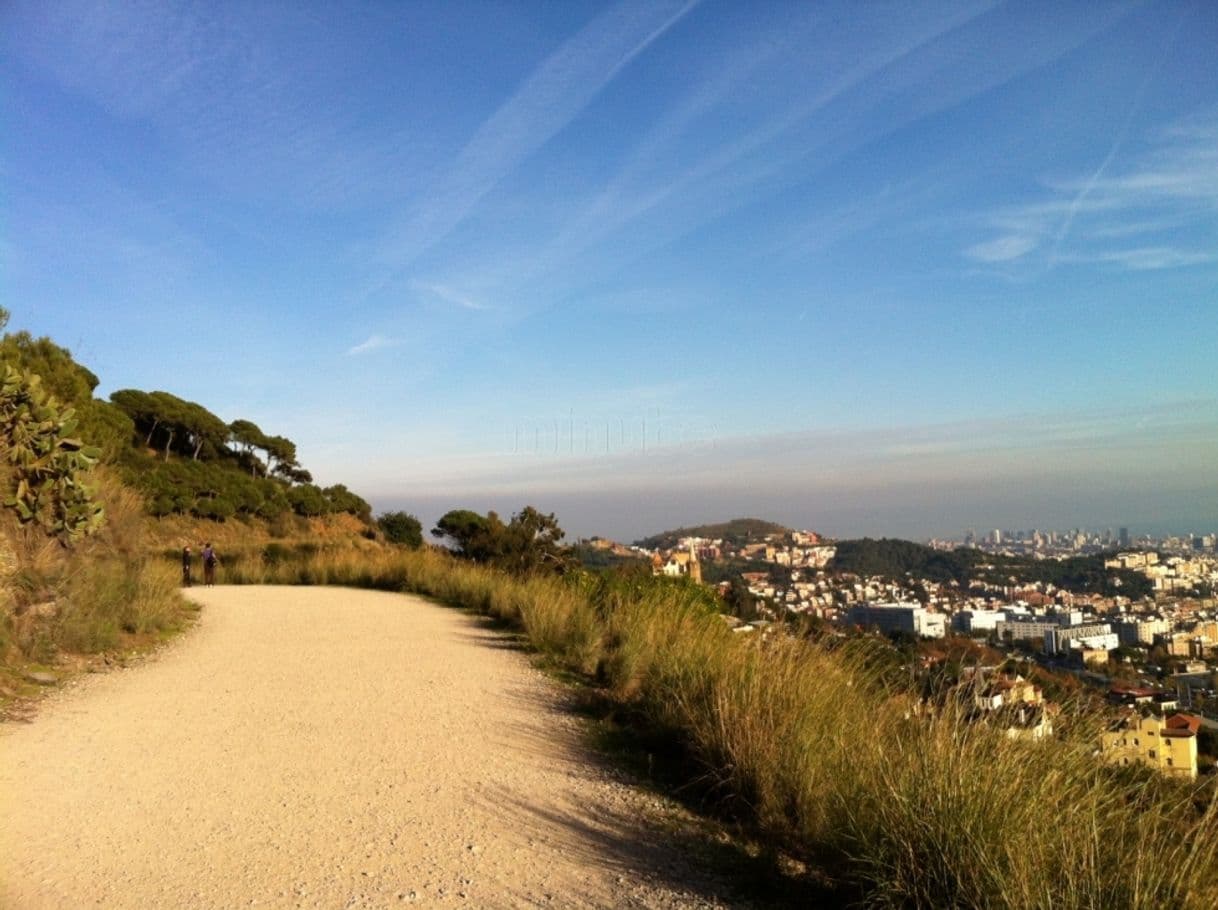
(866, 268)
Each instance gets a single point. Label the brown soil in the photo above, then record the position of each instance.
(313, 747)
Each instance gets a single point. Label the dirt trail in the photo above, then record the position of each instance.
(324, 747)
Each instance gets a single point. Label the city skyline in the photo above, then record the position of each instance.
(867, 268)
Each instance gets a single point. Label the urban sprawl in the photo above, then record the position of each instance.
(1154, 656)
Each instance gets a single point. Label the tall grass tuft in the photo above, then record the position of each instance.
(99, 595)
(825, 756)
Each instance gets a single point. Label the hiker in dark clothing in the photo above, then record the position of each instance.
(209, 565)
(186, 567)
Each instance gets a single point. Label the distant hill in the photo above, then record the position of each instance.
(590, 555)
(738, 531)
(896, 559)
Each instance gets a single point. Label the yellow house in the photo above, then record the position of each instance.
(1167, 745)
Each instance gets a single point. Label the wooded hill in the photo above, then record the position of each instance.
(184, 459)
(901, 559)
(738, 531)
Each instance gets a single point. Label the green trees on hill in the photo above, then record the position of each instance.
(248, 438)
(311, 501)
(897, 559)
(172, 424)
(220, 490)
(401, 528)
(341, 499)
(183, 457)
(279, 452)
(223, 469)
(205, 489)
(738, 531)
(98, 422)
(529, 543)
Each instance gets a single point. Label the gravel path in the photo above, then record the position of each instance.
(324, 747)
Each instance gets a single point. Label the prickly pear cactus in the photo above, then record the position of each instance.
(48, 464)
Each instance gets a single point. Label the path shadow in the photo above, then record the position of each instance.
(648, 852)
(706, 856)
(488, 631)
(494, 639)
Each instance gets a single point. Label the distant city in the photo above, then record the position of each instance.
(1132, 616)
(1076, 541)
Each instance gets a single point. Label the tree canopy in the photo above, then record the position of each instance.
(97, 422)
(401, 528)
(184, 458)
(529, 543)
(173, 424)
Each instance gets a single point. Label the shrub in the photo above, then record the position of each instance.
(50, 465)
(401, 528)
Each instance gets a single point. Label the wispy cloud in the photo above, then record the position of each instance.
(672, 170)
(254, 114)
(1144, 259)
(1092, 219)
(372, 343)
(450, 295)
(1002, 249)
(549, 99)
(1090, 184)
(715, 153)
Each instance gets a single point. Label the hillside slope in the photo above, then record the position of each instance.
(738, 530)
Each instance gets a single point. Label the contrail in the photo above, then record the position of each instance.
(1079, 198)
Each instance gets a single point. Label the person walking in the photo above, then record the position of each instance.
(186, 567)
(209, 565)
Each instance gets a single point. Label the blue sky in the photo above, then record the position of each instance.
(867, 268)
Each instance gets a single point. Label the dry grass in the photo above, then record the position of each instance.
(104, 593)
(815, 748)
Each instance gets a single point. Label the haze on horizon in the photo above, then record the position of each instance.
(866, 268)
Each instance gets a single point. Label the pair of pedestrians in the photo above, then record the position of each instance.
(210, 561)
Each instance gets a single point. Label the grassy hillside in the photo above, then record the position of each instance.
(738, 531)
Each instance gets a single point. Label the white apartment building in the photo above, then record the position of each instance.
(972, 622)
(1094, 637)
(1025, 629)
(910, 618)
